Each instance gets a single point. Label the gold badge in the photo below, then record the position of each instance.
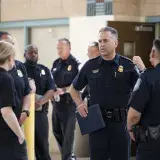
(20, 74)
(69, 68)
(43, 72)
(120, 69)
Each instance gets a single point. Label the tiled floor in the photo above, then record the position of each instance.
(57, 157)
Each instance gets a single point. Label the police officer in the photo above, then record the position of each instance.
(111, 78)
(143, 115)
(20, 77)
(12, 140)
(44, 91)
(64, 71)
(93, 52)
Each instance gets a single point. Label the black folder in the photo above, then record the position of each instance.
(93, 122)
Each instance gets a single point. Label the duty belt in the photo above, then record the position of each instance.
(117, 114)
(147, 133)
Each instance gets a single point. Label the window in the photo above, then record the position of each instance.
(129, 49)
(99, 7)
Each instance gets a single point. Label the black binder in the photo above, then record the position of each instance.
(93, 122)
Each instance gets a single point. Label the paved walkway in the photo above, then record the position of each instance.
(57, 157)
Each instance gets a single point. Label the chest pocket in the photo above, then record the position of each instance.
(122, 81)
(95, 81)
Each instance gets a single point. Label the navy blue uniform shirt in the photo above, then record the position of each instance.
(110, 82)
(64, 71)
(146, 96)
(42, 76)
(20, 78)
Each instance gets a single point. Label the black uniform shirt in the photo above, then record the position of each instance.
(42, 77)
(110, 82)
(20, 78)
(7, 98)
(64, 71)
(146, 96)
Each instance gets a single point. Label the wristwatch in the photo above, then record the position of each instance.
(27, 112)
(129, 130)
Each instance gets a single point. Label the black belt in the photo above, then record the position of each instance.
(147, 133)
(65, 98)
(116, 114)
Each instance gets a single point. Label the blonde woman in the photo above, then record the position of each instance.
(12, 140)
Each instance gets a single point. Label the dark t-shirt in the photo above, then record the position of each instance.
(7, 99)
(20, 78)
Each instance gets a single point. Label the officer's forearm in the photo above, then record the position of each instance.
(26, 102)
(75, 95)
(10, 118)
(133, 117)
(46, 97)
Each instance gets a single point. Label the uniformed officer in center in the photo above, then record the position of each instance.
(143, 121)
(111, 78)
(44, 91)
(64, 70)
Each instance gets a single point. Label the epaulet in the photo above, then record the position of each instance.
(126, 58)
(149, 69)
(18, 62)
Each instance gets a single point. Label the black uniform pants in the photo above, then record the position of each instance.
(148, 150)
(41, 136)
(63, 121)
(111, 142)
(13, 151)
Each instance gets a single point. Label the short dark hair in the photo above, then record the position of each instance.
(3, 33)
(29, 46)
(110, 29)
(156, 44)
(94, 44)
(66, 40)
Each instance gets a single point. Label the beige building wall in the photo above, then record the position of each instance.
(18, 37)
(136, 7)
(126, 7)
(150, 7)
(41, 9)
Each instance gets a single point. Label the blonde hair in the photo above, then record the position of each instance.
(6, 51)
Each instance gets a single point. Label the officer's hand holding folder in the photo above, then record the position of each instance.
(93, 122)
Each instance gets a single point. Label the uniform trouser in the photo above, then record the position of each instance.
(41, 136)
(111, 142)
(148, 150)
(63, 121)
(13, 151)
